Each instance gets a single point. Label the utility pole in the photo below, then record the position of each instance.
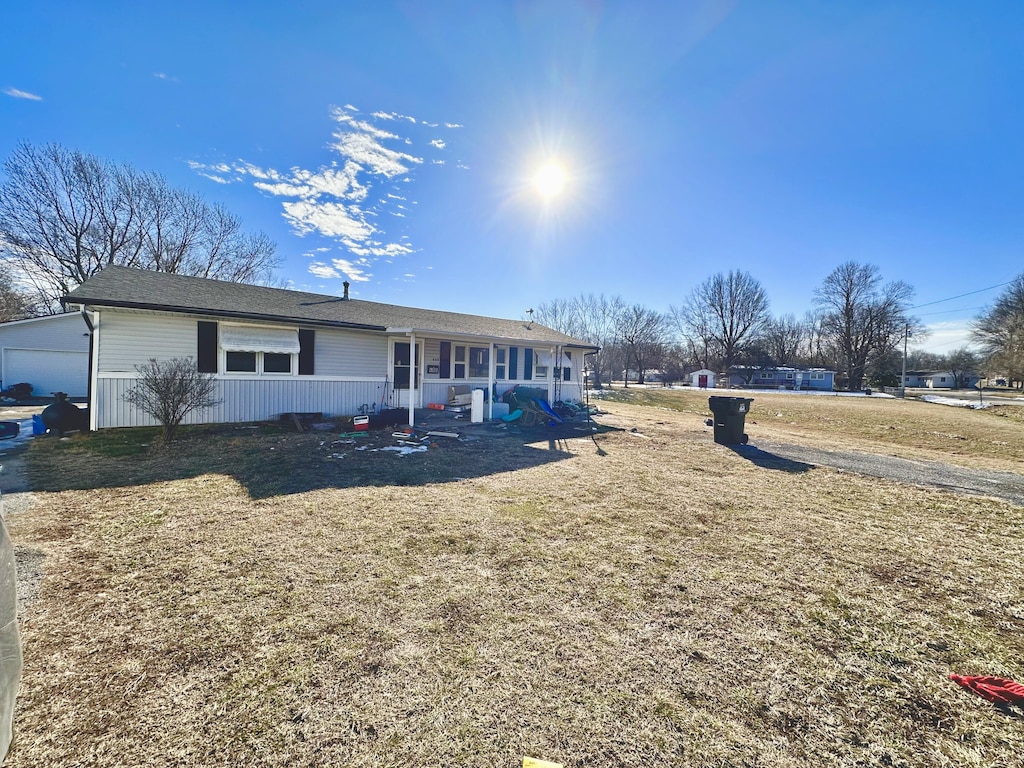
(903, 375)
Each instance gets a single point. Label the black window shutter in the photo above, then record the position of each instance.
(307, 339)
(513, 363)
(528, 364)
(206, 347)
(445, 362)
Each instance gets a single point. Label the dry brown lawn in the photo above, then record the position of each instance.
(632, 599)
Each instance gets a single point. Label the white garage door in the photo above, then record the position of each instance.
(47, 371)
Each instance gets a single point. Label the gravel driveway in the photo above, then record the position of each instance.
(979, 482)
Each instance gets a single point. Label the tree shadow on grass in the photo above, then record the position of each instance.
(273, 460)
(769, 460)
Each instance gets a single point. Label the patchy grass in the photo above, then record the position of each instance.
(635, 598)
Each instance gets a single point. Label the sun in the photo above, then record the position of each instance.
(550, 179)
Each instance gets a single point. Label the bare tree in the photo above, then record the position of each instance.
(642, 333)
(782, 338)
(723, 313)
(862, 317)
(15, 302)
(1000, 331)
(64, 215)
(591, 318)
(963, 363)
(169, 390)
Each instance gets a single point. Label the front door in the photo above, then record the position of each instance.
(702, 381)
(404, 372)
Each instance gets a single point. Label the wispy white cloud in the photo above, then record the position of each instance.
(322, 270)
(338, 200)
(356, 270)
(165, 76)
(16, 93)
(453, 125)
(394, 116)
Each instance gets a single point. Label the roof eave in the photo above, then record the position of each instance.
(86, 302)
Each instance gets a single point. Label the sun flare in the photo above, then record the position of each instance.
(550, 179)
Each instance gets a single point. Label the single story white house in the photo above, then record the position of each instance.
(51, 353)
(275, 351)
(704, 378)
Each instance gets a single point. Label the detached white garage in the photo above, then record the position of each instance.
(50, 353)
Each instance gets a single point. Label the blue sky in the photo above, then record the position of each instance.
(395, 144)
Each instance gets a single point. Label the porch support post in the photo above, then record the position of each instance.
(413, 379)
(551, 375)
(490, 383)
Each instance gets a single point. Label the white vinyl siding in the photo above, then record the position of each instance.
(245, 399)
(350, 353)
(432, 357)
(128, 339)
(59, 333)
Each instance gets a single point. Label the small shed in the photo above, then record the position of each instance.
(51, 353)
(704, 378)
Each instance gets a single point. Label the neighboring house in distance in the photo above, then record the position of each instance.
(916, 379)
(782, 378)
(275, 351)
(51, 353)
(704, 378)
(946, 380)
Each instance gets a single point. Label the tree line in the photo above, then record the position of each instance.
(66, 214)
(858, 328)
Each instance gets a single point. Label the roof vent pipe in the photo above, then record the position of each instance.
(345, 284)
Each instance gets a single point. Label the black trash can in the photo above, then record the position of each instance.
(730, 416)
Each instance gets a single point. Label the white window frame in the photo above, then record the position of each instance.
(817, 376)
(501, 363)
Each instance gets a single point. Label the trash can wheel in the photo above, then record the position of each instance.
(744, 439)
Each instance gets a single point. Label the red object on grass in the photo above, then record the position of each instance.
(998, 690)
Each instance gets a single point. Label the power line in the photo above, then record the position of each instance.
(950, 311)
(969, 293)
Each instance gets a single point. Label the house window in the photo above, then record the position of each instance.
(500, 356)
(513, 363)
(540, 371)
(277, 362)
(260, 349)
(479, 362)
(766, 375)
(567, 370)
(942, 379)
(460, 362)
(240, 362)
(817, 376)
(527, 364)
(789, 375)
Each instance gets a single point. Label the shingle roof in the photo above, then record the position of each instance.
(126, 287)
